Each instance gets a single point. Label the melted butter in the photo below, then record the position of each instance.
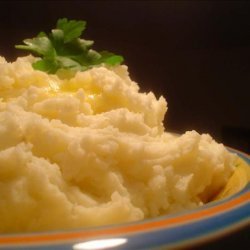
(83, 82)
(53, 86)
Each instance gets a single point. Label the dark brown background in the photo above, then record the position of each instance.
(195, 53)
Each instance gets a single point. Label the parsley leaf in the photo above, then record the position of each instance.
(64, 49)
(40, 45)
(72, 29)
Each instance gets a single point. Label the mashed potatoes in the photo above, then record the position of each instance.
(91, 150)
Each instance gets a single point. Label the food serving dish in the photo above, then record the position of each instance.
(111, 160)
(186, 229)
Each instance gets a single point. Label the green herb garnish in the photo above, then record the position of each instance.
(64, 49)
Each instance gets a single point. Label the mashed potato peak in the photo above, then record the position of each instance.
(91, 150)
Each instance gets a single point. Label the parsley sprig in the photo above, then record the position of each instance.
(64, 49)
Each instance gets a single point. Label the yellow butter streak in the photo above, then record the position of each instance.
(239, 179)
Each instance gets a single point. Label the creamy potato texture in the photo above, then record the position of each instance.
(91, 150)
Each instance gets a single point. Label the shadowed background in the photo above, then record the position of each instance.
(195, 53)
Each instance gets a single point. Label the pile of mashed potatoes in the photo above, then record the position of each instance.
(91, 150)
